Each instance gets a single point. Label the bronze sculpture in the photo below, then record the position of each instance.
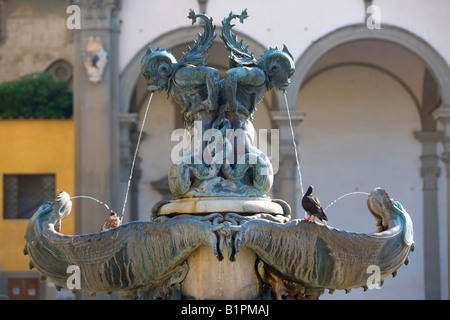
(221, 200)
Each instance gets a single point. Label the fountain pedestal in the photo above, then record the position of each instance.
(219, 276)
(211, 279)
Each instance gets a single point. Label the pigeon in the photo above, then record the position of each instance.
(313, 207)
(111, 222)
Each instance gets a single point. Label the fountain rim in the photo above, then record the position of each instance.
(221, 204)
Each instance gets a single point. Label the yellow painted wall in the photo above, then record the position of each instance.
(33, 147)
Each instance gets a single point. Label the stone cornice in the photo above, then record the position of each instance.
(281, 116)
(429, 136)
(98, 14)
(97, 4)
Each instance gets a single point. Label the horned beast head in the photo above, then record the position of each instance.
(279, 67)
(157, 68)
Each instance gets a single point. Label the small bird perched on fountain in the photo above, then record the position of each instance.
(111, 222)
(313, 207)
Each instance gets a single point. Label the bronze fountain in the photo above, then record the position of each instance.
(222, 237)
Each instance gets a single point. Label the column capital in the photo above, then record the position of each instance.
(280, 120)
(128, 119)
(430, 172)
(429, 140)
(429, 136)
(430, 160)
(281, 117)
(442, 114)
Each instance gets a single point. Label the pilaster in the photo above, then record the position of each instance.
(443, 115)
(96, 117)
(430, 172)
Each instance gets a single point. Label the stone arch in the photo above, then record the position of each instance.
(433, 60)
(61, 69)
(372, 66)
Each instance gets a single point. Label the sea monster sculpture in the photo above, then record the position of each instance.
(248, 79)
(146, 260)
(315, 257)
(195, 87)
(130, 259)
(244, 87)
(192, 84)
(226, 106)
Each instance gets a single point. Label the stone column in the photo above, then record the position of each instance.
(446, 160)
(430, 172)
(285, 185)
(96, 117)
(443, 115)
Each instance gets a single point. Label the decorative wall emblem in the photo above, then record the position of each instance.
(95, 59)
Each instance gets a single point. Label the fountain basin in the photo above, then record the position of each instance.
(218, 256)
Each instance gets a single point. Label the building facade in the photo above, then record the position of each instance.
(369, 103)
(37, 155)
